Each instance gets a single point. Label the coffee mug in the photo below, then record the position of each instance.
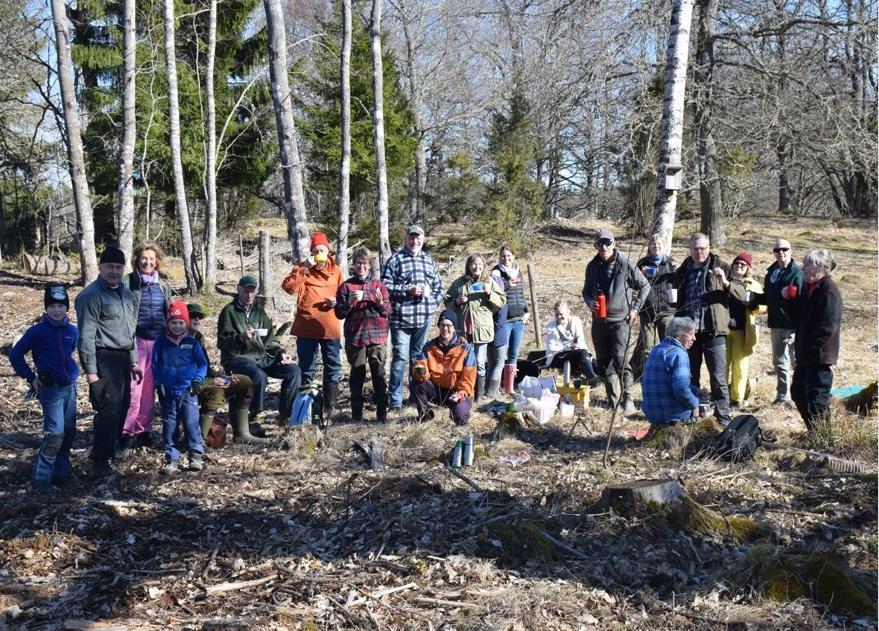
(260, 332)
(672, 294)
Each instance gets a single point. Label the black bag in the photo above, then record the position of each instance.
(739, 441)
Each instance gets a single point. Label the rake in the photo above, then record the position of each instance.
(834, 463)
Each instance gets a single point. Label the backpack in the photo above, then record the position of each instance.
(739, 441)
(307, 408)
(216, 436)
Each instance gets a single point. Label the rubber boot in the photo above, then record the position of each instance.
(241, 429)
(480, 389)
(491, 389)
(331, 395)
(381, 413)
(508, 379)
(612, 387)
(205, 419)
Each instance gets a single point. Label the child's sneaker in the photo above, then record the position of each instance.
(195, 462)
(170, 468)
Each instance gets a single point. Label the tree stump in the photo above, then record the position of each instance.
(634, 497)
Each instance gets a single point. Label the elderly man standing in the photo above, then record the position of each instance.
(625, 290)
(702, 283)
(668, 393)
(780, 275)
(413, 281)
(106, 315)
(246, 337)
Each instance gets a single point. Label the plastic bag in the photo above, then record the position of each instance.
(543, 408)
(533, 387)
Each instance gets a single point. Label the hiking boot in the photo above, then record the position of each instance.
(241, 429)
(102, 469)
(195, 462)
(170, 468)
(123, 449)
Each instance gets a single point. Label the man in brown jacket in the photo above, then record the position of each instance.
(702, 284)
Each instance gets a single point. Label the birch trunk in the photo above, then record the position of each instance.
(416, 188)
(709, 174)
(176, 158)
(291, 164)
(672, 116)
(345, 173)
(211, 157)
(378, 120)
(76, 160)
(125, 190)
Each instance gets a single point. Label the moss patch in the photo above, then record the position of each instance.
(690, 516)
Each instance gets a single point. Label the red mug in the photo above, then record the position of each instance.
(792, 291)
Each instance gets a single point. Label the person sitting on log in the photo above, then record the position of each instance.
(444, 372)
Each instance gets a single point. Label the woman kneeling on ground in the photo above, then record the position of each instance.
(445, 372)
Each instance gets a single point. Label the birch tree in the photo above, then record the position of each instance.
(211, 151)
(378, 115)
(76, 160)
(125, 191)
(345, 171)
(672, 134)
(291, 164)
(176, 158)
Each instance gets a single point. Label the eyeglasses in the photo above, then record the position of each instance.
(777, 250)
(604, 243)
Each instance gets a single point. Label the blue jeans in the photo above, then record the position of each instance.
(180, 409)
(516, 332)
(497, 356)
(331, 352)
(406, 344)
(59, 428)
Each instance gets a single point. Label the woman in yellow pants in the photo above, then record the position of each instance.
(742, 338)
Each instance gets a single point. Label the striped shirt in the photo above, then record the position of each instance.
(404, 270)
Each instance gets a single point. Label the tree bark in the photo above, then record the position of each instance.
(176, 157)
(712, 223)
(125, 201)
(378, 118)
(345, 171)
(291, 164)
(419, 181)
(211, 157)
(671, 139)
(76, 160)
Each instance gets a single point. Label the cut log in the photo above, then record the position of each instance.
(633, 497)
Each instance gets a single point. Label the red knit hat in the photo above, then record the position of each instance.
(178, 311)
(745, 258)
(319, 238)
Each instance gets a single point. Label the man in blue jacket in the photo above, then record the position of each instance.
(668, 395)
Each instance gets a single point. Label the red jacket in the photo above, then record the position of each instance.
(315, 318)
(452, 368)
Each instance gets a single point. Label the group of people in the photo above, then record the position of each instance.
(134, 341)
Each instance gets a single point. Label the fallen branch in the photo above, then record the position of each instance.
(463, 477)
(424, 600)
(232, 587)
(393, 590)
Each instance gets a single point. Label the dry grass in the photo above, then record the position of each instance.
(845, 434)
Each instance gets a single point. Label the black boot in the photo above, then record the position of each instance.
(480, 389)
(331, 395)
(381, 413)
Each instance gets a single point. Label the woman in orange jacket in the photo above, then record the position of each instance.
(315, 282)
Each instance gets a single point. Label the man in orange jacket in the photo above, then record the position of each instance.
(445, 372)
(315, 283)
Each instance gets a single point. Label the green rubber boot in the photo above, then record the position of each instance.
(205, 419)
(241, 429)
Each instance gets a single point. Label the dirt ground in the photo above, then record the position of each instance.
(302, 534)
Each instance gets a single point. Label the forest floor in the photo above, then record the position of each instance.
(302, 534)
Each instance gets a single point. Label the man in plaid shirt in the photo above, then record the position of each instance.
(668, 396)
(413, 282)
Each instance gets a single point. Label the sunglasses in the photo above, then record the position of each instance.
(606, 243)
(777, 250)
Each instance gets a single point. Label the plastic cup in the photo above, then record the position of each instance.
(792, 291)
(672, 294)
(260, 332)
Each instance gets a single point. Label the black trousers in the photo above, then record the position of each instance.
(110, 396)
(810, 391)
(581, 363)
(259, 374)
(713, 349)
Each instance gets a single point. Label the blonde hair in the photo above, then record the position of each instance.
(362, 252)
(471, 259)
(143, 247)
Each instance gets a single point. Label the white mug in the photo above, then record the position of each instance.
(358, 295)
(672, 294)
(260, 332)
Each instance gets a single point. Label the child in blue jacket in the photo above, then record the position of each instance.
(51, 343)
(179, 369)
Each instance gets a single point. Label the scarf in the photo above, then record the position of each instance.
(509, 272)
(149, 279)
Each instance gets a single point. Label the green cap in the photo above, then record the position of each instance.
(248, 280)
(196, 309)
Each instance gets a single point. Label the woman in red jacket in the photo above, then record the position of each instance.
(315, 282)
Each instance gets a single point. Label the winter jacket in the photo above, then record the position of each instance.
(661, 280)
(715, 298)
(817, 324)
(516, 302)
(315, 318)
(737, 289)
(560, 339)
(232, 322)
(780, 310)
(177, 366)
(402, 271)
(107, 319)
(667, 393)
(451, 367)
(479, 308)
(366, 321)
(620, 281)
(51, 347)
(150, 316)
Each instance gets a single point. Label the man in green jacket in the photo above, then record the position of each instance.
(246, 338)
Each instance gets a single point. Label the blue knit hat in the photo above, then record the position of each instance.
(448, 314)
